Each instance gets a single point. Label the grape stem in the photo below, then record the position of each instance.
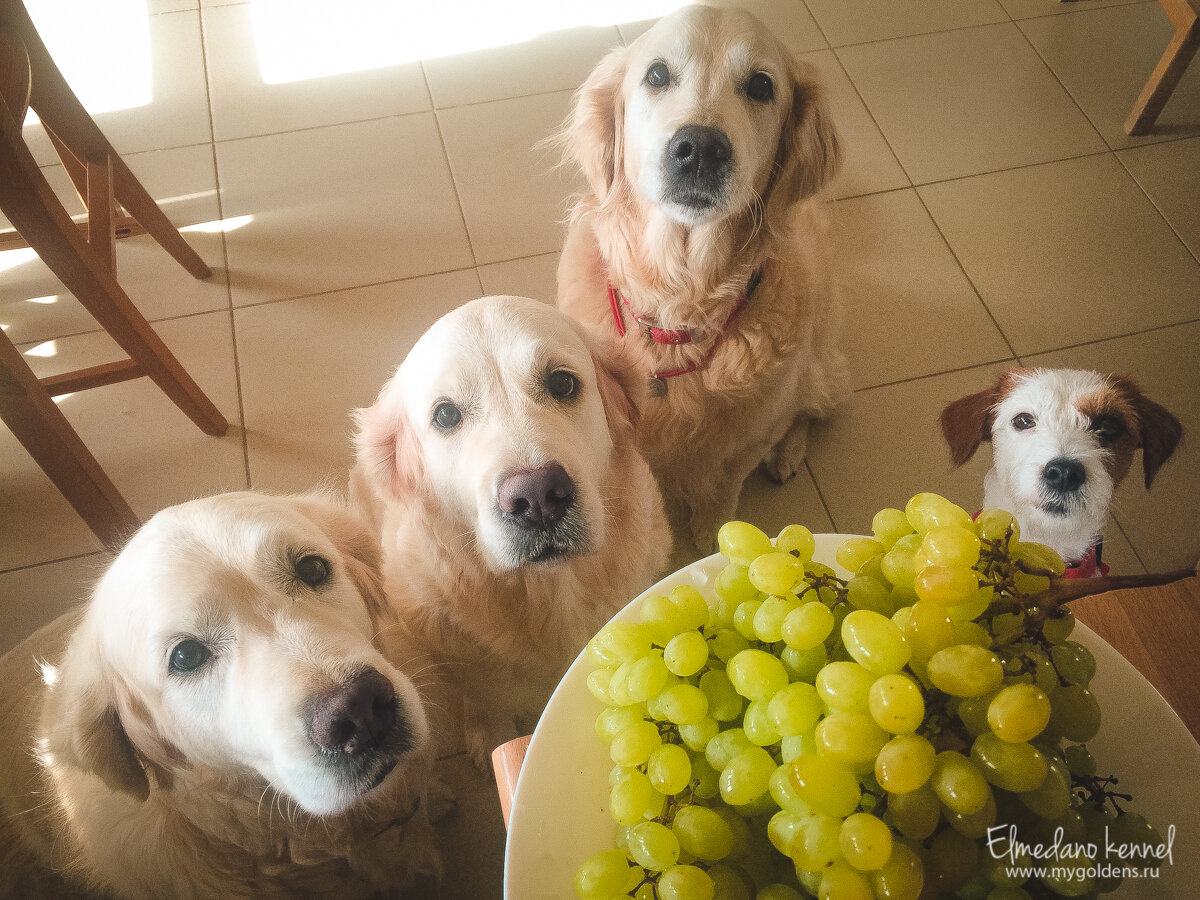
(1068, 589)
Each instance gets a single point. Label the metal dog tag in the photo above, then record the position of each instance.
(658, 386)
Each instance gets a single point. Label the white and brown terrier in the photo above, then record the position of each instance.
(1062, 440)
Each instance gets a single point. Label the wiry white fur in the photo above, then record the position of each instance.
(1015, 481)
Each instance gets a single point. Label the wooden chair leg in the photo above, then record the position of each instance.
(1170, 68)
(41, 427)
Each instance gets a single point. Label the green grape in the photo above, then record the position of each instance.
(807, 625)
(768, 619)
(855, 551)
(757, 724)
(1074, 713)
(889, 525)
(598, 682)
(804, 664)
(896, 703)
(653, 846)
(897, 566)
(1080, 761)
(685, 883)
(845, 686)
(602, 875)
(733, 585)
(1004, 870)
(724, 703)
(696, 737)
(825, 784)
(1074, 662)
(636, 876)
(797, 745)
(1059, 625)
(915, 814)
(902, 877)
(1069, 876)
(614, 718)
(972, 712)
(965, 670)
(872, 567)
(707, 779)
(926, 511)
(728, 643)
(692, 606)
(958, 783)
(951, 861)
(743, 618)
(797, 541)
(1011, 766)
(952, 546)
(756, 674)
(725, 746)
(685, 653)
(746, 776)
(1052, 797)
(729, 883)
(865, 841)
(794, 709)
(633, 798)
(976, 825)
(646, 677)
(784, 794)
(702, 833)
(778, 892)
(867, 592)
(1037, 555)
(669, 768)
(852, 738)
(904, 764)
(973, 607)
(970, 633)
(633, 744)
(1008, 892)
(994, 524)
(623, 641)
(783, 830)
(661, 618)
(1019, 712)
(874, 641)
(684, 704)
(945, 586)
(927, 629)
(816, 845)
(742, 543)
(775, 572)
(841, 881)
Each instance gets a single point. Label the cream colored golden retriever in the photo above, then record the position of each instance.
(221, 720)
(519, 515)
(702, 246)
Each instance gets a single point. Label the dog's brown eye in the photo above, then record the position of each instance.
(446, 416)
(1023, 421)
(658, 75)
(562, 384)
(313, 570)
(188, 656)
(760, 88)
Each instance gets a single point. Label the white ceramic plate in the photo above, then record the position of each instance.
(560, 810)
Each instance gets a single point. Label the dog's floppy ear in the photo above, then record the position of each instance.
(1160, 430)
(967, 422)
(387, 448)
(809, 151)
(84, 728)
(357, 546)
(593, 135)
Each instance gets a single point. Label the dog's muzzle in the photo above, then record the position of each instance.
(358, 728)
(539, 506)
(696, 164)
(1062, 479)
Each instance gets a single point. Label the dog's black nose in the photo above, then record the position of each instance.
(699, 150)
(355, 716)
(535, 497)
(1064, 475)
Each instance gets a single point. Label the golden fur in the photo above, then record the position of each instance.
(123, 777)
(778, 363)
(507, 626)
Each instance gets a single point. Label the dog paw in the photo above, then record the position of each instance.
(780, 470)
(787, 456)
(704, 535)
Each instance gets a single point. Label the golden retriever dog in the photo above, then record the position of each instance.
(701, 244)
(518, 514)
(221, 719)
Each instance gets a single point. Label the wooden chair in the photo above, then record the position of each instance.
(1185, 16)
(506, 764)
(83, 257)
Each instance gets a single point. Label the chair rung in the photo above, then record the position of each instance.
(94, 376)
(126, 226)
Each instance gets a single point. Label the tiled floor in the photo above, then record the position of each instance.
(991, 210)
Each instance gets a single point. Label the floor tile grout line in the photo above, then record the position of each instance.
(233, 337)
(1195, 254)
(820, 495)
(1117, 337)
(99, 555)
(820, 28)
(899, 381)
(1128, 540)
(462, 213)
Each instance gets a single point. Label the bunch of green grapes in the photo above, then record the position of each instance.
(795, 734)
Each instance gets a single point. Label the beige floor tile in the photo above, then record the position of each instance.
(305, 364)
(791, 22)
(1028, 9)
(472, 837)
(165, 6)
(244, 105)
(968, 101)
(36, 306)
(512, 193)
(868, 164)
(1066, 252)
(1170, 175)
(177, 114)
(1161, 522)
(337, 207)
(1105, 57)
(773, 506)
(533, 276)
(557, 61)
(859, 21)
(36, 596)
(152, 452)
(885, 445)
(909, 309)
